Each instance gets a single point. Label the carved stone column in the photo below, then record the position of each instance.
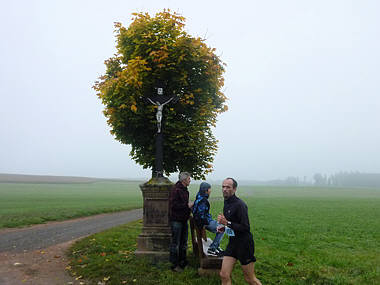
(154, 240)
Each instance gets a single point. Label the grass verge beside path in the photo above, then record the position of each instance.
(302, 236)
(108, 257)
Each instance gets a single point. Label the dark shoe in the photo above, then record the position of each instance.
(183, 264)
(176, 268)
(212, 252)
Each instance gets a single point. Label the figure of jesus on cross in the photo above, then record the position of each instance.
(160, 107)
(160, 101)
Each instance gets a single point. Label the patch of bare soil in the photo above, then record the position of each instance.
(39, 267)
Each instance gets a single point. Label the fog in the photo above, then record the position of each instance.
(302, 79)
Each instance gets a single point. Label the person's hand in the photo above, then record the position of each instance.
(190, 204)
(222, 219)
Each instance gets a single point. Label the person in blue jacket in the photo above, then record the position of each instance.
(203, 218)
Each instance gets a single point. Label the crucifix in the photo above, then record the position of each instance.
(160, 107)
(160, 101)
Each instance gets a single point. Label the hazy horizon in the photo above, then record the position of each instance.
(301, 78)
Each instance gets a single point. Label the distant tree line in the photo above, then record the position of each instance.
(340, 179)
(289, 181)
(348, 179)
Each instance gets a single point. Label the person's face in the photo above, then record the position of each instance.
(186, 182)
(228, 189)
(209, 191)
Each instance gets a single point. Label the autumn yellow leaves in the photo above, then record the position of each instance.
(155, 48)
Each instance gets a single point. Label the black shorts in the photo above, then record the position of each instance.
(241, 249)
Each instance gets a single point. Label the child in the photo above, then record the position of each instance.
(203, 218)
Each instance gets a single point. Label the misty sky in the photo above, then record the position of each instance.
(302, 79)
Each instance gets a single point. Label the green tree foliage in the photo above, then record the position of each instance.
(158, 48)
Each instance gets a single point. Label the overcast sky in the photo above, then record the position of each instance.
(302, 79)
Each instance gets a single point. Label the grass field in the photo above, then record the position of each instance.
(32, 203)
(302, 236)
(24, 204)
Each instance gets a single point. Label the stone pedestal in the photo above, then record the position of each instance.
(154, 240)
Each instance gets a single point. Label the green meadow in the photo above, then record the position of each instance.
(24, 204)
(302, 236)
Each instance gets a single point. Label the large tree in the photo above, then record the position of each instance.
(158, 49)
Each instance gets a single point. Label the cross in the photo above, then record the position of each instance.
(160, 100)
(160, 107)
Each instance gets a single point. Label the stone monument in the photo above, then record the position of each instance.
(154, 240)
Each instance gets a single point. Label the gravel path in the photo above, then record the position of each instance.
(43, 236)
(36, 255)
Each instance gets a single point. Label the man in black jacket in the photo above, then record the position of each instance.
(240, 246)
(179, 213)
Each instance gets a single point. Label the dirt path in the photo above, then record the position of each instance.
(36, 255)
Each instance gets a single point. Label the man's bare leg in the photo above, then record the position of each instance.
(227, 267)
(249, 274)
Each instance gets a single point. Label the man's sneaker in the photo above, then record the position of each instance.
(212, 252)
(220, 251)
